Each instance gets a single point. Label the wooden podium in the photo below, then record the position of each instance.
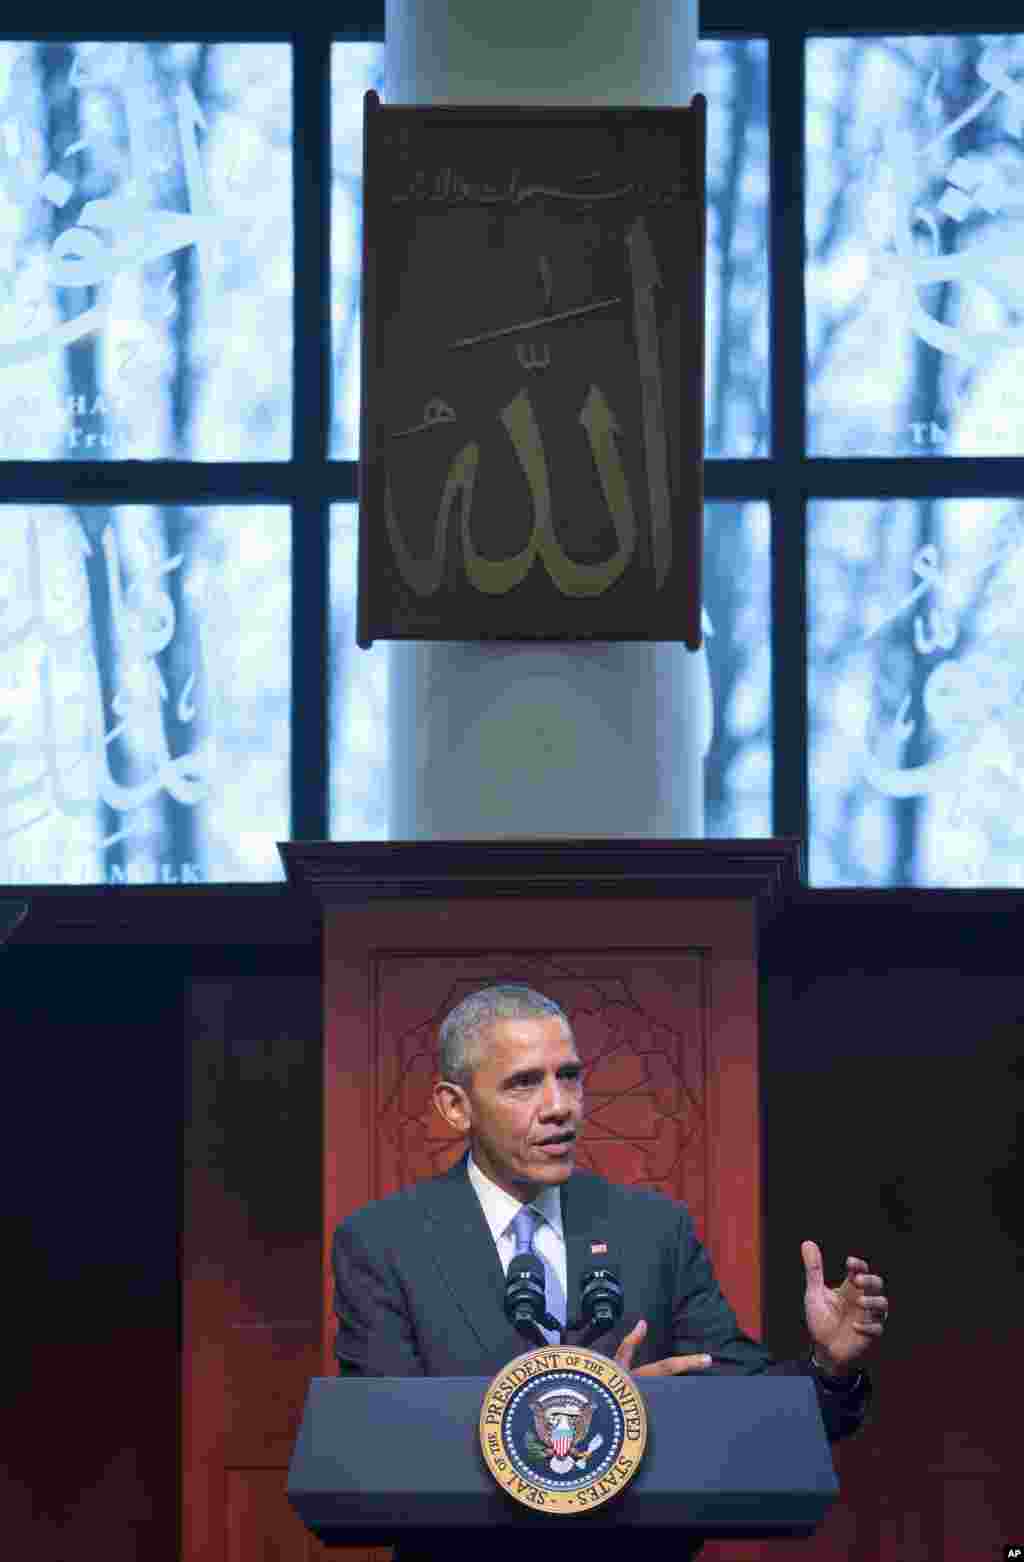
(649, 946)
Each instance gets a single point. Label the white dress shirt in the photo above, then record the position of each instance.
(500, 1208)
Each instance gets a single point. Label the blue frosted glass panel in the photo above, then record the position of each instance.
(737, 599)
(916, 719)
(358, 695)
(146, 268)
(738, 771)
(915, 228)
(355, 69)
(733, 75)
(145, 690)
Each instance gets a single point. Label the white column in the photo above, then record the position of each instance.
(497, 740)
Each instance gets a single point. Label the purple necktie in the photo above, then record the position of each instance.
(524, 1229)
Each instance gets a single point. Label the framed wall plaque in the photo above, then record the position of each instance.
(532, 425)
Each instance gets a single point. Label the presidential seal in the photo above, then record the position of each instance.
(563, 1429)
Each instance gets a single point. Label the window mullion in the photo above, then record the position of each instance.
(785, 478)
(310, 473)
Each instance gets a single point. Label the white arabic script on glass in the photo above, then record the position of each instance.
(143, 622)
(966, 188)
(973, 707)
(140, 234)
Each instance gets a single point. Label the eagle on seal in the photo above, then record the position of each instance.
(561, 1429)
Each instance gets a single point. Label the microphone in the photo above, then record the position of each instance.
(602, 1301)
(525, 1298)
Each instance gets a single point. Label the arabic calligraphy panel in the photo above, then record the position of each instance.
(531, 465)
(146, 285)
(915, 224)
(145, 694)
(916, 693)
(733, 73)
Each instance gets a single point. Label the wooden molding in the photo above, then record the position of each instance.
(323, 873)
(196, 915)
(339, 872)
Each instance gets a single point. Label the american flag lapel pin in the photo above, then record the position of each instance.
(598, 1247)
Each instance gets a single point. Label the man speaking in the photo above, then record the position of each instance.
(420, 1276)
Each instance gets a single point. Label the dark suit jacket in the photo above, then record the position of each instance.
(419, 1290)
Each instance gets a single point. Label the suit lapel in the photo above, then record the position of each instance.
(463, 1249)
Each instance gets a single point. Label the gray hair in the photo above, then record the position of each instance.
(464, 1032)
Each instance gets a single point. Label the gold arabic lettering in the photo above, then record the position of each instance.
(646, 277)
(495, 577)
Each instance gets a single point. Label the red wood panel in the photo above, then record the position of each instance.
(250, 1265)
(260, 1523)
(85, 1472)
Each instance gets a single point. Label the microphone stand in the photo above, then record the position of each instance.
(530, 1328)
(599, 1324)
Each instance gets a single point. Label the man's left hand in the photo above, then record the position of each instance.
(842, 1322)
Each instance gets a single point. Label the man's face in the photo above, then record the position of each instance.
(527, 1088)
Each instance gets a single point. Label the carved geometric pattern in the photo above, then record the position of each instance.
(639, 1023)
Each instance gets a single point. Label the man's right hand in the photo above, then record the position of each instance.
(655, 1369)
